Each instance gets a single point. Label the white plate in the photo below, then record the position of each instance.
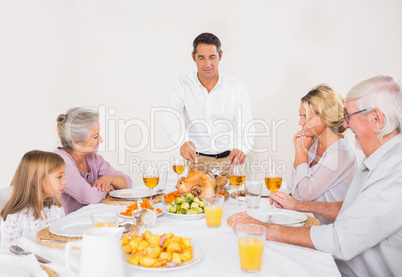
(130, 217)
(278, 216)
(13, 270)
(196, 258)
(71, 227)
(183, 216)
(132, 193)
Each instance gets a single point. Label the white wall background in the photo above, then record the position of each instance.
(124, 56)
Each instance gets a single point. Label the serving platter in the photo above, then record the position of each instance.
(131, 217)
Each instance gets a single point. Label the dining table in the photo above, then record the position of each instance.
(218, 248)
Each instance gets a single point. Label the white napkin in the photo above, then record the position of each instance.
(27, 262)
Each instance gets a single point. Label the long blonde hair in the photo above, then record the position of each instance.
(27, 182)
(328, 105)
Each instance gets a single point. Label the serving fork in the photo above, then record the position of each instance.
(218, 169)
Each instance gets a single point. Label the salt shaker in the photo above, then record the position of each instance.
(144, 217)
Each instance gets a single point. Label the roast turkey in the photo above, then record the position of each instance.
(198, 183)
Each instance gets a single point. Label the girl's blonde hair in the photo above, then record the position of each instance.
(326, 104)
(27, 182)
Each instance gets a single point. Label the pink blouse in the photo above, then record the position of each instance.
(79, 190)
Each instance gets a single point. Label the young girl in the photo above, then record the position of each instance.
(37, 183)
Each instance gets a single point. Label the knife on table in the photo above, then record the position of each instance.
(42, 260)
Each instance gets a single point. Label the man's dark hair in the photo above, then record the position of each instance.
(207, 38)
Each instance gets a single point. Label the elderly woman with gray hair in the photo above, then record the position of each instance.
(89, 177)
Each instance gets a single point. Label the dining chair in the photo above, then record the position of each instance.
(5, 194)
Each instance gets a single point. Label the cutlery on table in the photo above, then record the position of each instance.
(19, 251)
(270, 219)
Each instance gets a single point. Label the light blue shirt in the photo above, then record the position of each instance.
(366, 237)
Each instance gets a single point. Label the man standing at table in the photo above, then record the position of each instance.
(215, 109)
(366, 237)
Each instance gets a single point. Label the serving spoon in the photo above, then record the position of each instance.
(19, 251)
(127, 227)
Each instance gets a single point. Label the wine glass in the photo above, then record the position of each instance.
(237, 176)
(178, 167)
(273, 182)
(151, 179)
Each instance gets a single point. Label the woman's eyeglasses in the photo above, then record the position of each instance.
(346, 115)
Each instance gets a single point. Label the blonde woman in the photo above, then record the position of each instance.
(37, 183)
(325, 161)
(89, 176)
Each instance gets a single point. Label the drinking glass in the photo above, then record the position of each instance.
(151, 179)
(251, 238)
(273, 182)
(178, 167)
(237, 176)
(213, 210)
(104, 219)
(253, 194)
(161, 188)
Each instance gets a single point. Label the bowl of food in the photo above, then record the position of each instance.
(159, 252)
(186, 207)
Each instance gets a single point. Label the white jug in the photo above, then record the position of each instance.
(101, 253)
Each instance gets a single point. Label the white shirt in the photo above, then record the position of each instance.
(216, 121)
(366, 237)
(23, 222)
(329, 179)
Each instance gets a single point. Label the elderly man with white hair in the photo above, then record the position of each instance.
(366, 237)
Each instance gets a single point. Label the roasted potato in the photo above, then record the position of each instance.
(166, 255)
(176, 258)
(147, 261)
(150, 250)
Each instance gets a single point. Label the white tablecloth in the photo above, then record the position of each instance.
(218, 246)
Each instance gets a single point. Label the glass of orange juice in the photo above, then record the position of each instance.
(251, 238)
(105, 219)
(213, 210)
